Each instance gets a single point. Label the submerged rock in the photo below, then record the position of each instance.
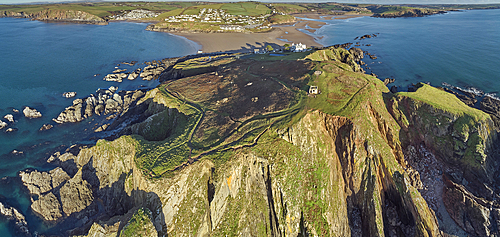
(31, 113)
(46, 127)
(9, 130)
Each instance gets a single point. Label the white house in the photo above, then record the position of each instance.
(298, 47)
(313, 90)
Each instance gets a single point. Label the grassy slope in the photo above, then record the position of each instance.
(139, 225)
(437, 108)
(444, 101)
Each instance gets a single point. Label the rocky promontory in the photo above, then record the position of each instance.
(409, 13)
(103, 102)
(239, 147)
(73, 16)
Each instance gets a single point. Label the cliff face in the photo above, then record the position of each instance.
(58, 15)
(463, 140)
(252, 154)
(409, 13)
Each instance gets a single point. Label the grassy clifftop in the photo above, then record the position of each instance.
(237, 146)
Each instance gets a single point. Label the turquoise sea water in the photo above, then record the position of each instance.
(39, 61)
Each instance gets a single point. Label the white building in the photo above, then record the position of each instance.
(298, 47)
(313, 90)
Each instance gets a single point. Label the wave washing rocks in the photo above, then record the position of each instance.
(103, 102)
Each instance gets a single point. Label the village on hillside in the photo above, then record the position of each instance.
(227, 21)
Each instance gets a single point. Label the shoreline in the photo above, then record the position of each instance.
(299, 31)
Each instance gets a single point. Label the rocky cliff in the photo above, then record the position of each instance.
(243, 149)
(58, 15)
(409, 13)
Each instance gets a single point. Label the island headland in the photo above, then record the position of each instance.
(271, 144)
(281, 143)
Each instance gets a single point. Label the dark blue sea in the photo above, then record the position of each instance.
(40, 61)
(460, 48)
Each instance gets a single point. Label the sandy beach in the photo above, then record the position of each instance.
(280, 35)
(247, 42)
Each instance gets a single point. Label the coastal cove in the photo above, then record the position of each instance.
(457, 48)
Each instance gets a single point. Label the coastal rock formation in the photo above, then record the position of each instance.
(133, 75)
(119, 70)
(491, 106)
(58, 194)
(58, 15)
(9, 130)
(388, 81)
(46, 127)
(118, 77)
(240, 149)
(103, 102)
(42, 182)
(152, 72)
(76, 196)
(409, 13)
(3, 124)
(12, 214)
(69, 94)
(31, 113)
(9, 117)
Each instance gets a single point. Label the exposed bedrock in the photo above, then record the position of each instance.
(103, 102)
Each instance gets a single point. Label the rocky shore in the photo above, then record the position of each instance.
(109, 102)
(409, 13)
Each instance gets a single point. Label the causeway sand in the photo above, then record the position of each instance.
(280, 35)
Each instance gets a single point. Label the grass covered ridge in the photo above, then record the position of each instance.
(444, 101)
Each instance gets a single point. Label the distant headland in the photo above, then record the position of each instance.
(240, 26)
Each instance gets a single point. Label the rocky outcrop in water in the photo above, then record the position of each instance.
(103, 102)
(31, 113)
(46, 127)
(9, 117)
(13, 215)
(3, 124)
(118, 77)
(69, 94)
(133, 75)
